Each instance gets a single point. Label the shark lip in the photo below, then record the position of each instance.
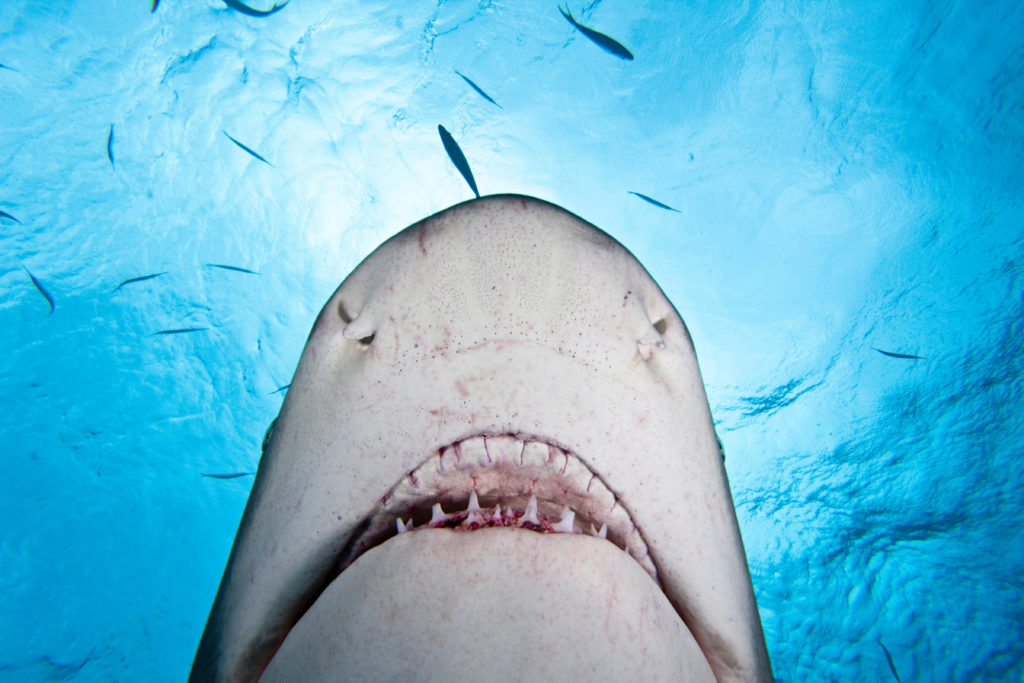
(502, 480)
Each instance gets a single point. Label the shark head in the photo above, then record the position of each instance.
(496, 455)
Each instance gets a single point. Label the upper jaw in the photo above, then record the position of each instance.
(502, 480)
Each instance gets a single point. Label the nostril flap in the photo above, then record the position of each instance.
(361, 329)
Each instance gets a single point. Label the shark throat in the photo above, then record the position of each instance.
(502, 480)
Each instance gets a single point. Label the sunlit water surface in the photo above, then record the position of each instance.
(846, 178)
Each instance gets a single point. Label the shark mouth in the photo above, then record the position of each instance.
(502, 481)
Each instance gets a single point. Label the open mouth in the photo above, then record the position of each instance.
(502, 480)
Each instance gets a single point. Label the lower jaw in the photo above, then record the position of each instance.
(494, 603)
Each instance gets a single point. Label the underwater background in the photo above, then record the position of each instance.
(845, 241)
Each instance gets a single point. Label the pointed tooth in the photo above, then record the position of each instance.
(497, 511)
(558, 458)
(449, 460)
(437, 515)
(474, 503)
(473, 451)
(505, 449)
(564, 525)
(597, 499)
(603, 533)
(648, 564)
(530, 515)
(400, 525)
(535, 454)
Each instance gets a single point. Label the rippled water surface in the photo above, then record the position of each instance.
(846, 179)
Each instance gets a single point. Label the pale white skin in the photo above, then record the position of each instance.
(504, 315)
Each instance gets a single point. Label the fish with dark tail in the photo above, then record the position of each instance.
(655, 202)
(606, 43)
(4, 214)
(247, 149)
(888, 656)
(457, 157)
(893, 354)
(237, 269)
(42, 290)
(245, 9)
(110, 145)
(484, 95)
(141, 278)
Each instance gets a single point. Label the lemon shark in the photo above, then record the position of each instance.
(495, 461)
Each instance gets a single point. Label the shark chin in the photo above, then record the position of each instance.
(496, 460)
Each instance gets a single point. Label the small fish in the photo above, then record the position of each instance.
(182, 330)
(4, 214)
(42, 290)
(233, 475)
(653, 201)
(235, 268)
(280, 389)
(474, 86)
(266, 437)
(888, 656)
(153, 8)
(245, 9)
(606, 43)
(457, 157)
(141, 278)
(892, 354)
(248, 150)
(110, 145)
(4, 66)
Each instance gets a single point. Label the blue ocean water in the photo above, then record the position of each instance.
(847, 181)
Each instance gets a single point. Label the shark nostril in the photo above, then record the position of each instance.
(361, 329)
(661, 325)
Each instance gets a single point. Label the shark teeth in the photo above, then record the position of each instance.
(502, 480)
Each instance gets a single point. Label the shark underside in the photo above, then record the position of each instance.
(495, 461)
